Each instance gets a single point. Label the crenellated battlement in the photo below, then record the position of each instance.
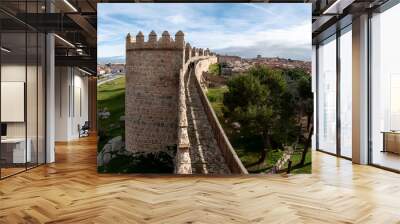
(164, 42)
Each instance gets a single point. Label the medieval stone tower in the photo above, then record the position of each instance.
(151, 101)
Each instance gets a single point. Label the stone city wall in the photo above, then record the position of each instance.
(151, 101)
(231, 158)
(155, 101)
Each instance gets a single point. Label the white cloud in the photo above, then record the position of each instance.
(176, 19)
(111, 50)
(261, 7)
(257, 27)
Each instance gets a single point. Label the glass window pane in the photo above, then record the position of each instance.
(22, 87)
(385, 89)
(327, 95)
(13, 86)
(346, 93)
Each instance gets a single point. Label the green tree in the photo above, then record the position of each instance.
(260, 101)
(215, 69)
(300, 89)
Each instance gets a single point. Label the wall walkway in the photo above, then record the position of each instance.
(203, 147)
(204, 150)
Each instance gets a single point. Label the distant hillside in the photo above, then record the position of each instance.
(112, 60)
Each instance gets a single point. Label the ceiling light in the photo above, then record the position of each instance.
(5, 50)
(70, 5)
(64, 40)
(331, 7)
(79, 51)
(86, 72)
(337, 7)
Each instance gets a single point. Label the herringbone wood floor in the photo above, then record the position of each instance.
(70, 191)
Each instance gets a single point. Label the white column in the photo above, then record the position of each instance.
(50, 99)
(360, 90)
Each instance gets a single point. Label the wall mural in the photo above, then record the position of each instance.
(237, 102)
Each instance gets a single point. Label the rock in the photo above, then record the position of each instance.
(126, 153)
(115, 139)
(104, 114)
(100, 159)
(107, 148)
(106, 158)
(116, 145)
(236, 125)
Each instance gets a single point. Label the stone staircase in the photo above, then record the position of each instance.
(280, 164)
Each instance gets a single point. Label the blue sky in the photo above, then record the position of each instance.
(245, 30)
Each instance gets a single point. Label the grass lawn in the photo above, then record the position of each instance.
(111, 95)
(296, 159)
(245, 146)
(215, 96)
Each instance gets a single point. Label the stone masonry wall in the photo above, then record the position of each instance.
(151, 101)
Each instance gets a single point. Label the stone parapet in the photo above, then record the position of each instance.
(188, 52)
(165, 42)
(183, 164)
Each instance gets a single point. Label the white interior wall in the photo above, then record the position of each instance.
(80, 114)
(62, 80)
(70, 83)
